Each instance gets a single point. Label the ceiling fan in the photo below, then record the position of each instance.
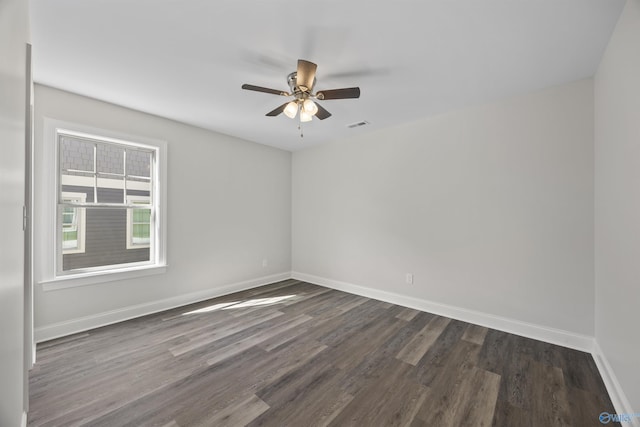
(301, 83)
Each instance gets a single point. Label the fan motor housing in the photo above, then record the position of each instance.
(292, 80)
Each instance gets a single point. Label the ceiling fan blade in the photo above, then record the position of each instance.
(306, 75)
(322, 113)
(357, 73)
(264, 89)
(350, 92)
(277, 111)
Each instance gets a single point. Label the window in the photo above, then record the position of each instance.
(73, 224)
(115, 182)
(106, 206)
(138, 223)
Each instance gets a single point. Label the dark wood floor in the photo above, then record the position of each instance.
(296, 354)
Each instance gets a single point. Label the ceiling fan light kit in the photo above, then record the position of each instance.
(310, 106)
(301, 83)
(291, 109)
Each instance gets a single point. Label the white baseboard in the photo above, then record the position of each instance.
(60, 329)
(617, 395)
(529, 330)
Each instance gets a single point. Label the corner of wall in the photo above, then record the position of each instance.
(616, 393)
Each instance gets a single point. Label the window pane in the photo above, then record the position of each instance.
(76, 154)
(139, 175)
(69, 218)
(70, 235)
(76, 162)
(70, 240)
(141, 216)
(110, 159)
(140, 226)
(138, 163)
(110, 190)
(141, 231)
(71, 226)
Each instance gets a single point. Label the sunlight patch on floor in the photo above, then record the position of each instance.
(241, 304)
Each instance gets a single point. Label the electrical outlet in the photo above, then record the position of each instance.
(409, 279)
(265, 262)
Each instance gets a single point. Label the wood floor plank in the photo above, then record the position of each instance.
(320, 323)
(475, 334)
(318, 299)
(392, 400)
(234, 379)
(517, 385)
(164, 404)
(497, 349)
(407, 314)
(420, 344)
(344, 304)
(439, 355)
(104, 392)
(215, 334)
(89, 393)
(351, 353)
(297, 354)
(377, 361)
(550, 404)
(580, 371)
(507, 415)
(476, 400)
(322, 399)
(450, 385)
(586, 408)
(288, 386)
(253, 340)
(315, 387)
(346, 320)
(238, 414)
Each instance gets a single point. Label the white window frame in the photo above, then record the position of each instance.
(47, 274)
(133, 200)
(80, 221)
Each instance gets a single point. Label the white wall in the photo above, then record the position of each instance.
(13, 39)
(229, 207)
(617, 203)
(491, 209)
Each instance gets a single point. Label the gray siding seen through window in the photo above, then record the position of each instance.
(106, 233)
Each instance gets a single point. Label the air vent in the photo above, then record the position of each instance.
(358, 124)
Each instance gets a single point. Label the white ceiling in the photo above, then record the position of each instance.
(186, 59)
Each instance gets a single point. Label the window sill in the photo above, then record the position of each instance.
(94, 278)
